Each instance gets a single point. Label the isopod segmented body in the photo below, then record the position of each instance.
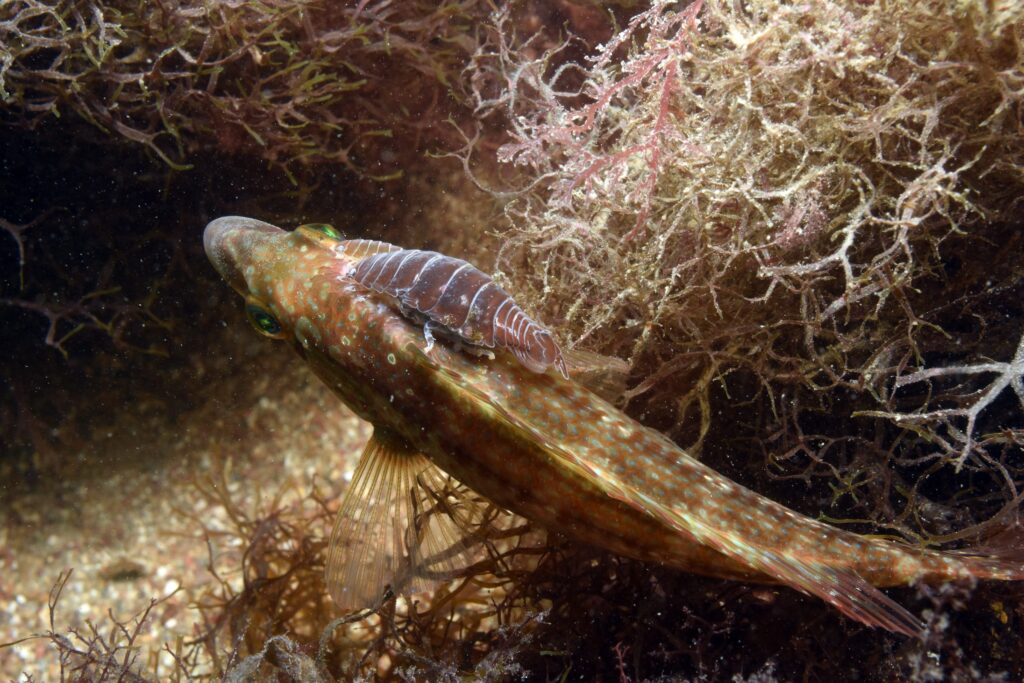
(464, 302)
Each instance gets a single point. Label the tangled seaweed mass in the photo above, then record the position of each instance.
(804, 213)
(800, 224)
(293, 82)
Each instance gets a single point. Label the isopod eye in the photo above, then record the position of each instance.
(264, 322)
(321, 232)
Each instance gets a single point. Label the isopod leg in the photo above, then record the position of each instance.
(428, 334)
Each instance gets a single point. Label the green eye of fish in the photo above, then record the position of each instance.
(322, 229)
(265, 323)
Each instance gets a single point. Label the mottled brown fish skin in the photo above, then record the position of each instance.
(541, 445)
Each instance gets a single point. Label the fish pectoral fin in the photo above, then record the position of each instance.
(403, 525)
(841, 588)
(604, 375)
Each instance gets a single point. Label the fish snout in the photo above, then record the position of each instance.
(228, 239)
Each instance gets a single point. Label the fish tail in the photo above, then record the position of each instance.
(839, 567)
(999, 558)
(840, 586)
(846, 570)
(836, 566)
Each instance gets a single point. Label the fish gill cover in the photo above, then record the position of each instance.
(800, 224)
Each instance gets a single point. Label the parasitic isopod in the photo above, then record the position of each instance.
(456, 300)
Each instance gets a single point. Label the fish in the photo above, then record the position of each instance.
(536, 443)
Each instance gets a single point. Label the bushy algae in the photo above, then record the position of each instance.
(805, 216)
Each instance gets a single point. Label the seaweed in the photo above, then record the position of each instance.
(95, 653)
(799, 222)
(293, 83)
(269, 613)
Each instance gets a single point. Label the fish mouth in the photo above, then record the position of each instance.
(225, 239)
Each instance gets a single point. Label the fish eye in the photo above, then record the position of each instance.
(264, 322)
(321, 232)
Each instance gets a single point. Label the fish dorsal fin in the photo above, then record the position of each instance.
(360, 249)
(403, 524)
(604, 375)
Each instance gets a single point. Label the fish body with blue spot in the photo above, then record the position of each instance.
(536, 443)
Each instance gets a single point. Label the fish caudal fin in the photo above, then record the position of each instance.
(1000, 556)
(402, 524)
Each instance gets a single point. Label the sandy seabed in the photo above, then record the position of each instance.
(131, 533)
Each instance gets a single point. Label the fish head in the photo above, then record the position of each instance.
(273, 269)
(295, 290)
